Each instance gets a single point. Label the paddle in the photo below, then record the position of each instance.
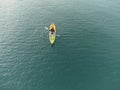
(46, 28)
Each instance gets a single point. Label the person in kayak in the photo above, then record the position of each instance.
(52, 30)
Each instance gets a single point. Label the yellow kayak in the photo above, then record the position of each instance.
(52, 33)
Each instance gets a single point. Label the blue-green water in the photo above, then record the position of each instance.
(86, 55)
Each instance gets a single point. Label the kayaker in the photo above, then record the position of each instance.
(52, 30)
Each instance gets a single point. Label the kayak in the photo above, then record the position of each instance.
(52, 35)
